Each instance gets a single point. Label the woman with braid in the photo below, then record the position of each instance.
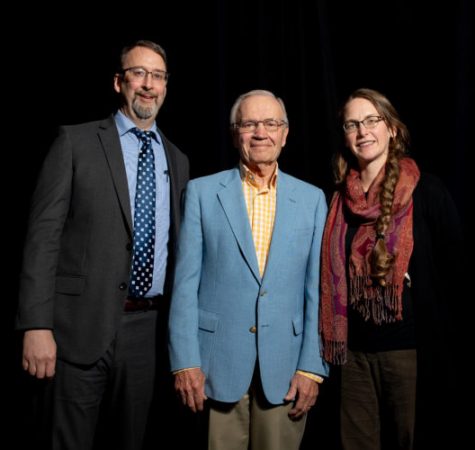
(388, 252)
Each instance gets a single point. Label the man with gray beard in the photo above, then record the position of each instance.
(98, 261)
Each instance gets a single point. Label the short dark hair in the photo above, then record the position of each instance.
(142, 43)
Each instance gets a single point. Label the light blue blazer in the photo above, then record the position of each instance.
(224, 317)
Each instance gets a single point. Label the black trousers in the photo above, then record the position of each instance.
(116, 390)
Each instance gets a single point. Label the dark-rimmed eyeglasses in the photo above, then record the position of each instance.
(249, 126)
(369, 122)
(140, 73)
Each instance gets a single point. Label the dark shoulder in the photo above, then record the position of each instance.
(89, 127)
(431, 194)
(83, 134)
(434, 202)
(429, 185)
(171, 147)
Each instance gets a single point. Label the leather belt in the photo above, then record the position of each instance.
(143, 303)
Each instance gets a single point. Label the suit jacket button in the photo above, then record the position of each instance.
(253, 329)
(128, 246)
(123, 286)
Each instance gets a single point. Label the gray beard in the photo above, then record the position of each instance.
(143, 112)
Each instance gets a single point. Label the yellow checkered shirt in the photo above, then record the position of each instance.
(260, 203)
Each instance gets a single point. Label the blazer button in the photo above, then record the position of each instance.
(123, 286)
(253, 329)
(128, 246)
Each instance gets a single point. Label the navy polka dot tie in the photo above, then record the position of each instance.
(144, 218)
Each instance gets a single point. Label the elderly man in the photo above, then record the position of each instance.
(244, 313)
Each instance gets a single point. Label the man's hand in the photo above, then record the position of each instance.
(304, 392)
(39, 353)
(190, 384)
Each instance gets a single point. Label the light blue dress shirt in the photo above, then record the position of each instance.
(130, 150)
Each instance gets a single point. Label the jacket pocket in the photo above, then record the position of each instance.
(70, 285)
(207, 321)
(298, 325)
(207, 327)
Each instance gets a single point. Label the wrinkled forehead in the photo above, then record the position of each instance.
(260, 107)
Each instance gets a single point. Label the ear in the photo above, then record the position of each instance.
(392, 132)
(284, 136)
(117, 82)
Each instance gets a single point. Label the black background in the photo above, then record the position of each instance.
(58, 67)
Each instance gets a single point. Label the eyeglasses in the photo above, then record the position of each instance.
(370, 122)
(140, 73)
(249, 126)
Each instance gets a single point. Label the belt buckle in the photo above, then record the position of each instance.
(141, 304)
(148, 303)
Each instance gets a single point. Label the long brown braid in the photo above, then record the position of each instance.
(381, 260)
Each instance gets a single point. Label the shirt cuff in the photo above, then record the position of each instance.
(183, 370)
(311, 375)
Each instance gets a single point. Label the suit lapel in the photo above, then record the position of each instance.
(111, 145)
(232, 201)
(284, 223)
(174, 189)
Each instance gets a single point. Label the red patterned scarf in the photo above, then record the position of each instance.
(374, 302)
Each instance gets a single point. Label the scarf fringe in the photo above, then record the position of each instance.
(334, 352)
(376, 303)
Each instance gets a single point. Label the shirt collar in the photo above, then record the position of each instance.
(248, 176)
(124, 125)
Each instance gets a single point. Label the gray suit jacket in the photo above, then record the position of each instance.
(77, 255)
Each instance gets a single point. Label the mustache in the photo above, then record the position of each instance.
(146, 94)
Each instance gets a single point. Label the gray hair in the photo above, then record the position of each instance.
(237, 104)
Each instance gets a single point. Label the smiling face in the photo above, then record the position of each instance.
(260, 148)
(141, 98)
(368, 145)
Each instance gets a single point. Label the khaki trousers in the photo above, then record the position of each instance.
(253, 424)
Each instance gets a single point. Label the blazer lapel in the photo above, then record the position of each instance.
(111, 145)
(284, 223)
(232, 200)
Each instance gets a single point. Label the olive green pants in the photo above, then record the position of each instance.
(378, 400)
